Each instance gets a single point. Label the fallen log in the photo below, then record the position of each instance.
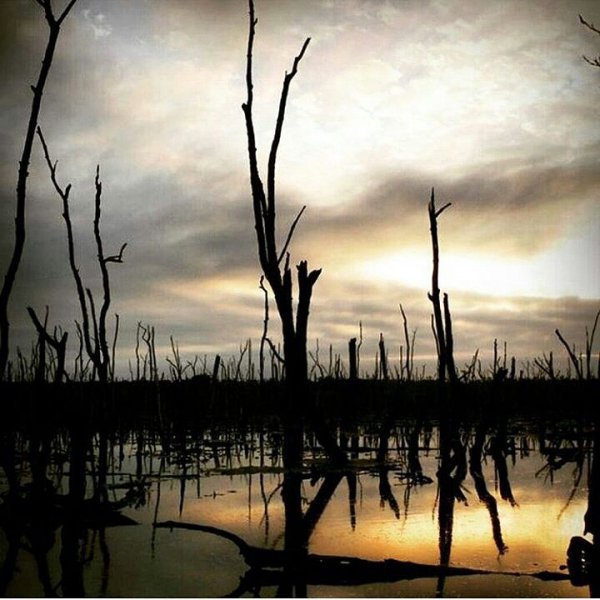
(271, 567)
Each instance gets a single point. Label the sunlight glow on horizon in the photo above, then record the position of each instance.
(568, 268)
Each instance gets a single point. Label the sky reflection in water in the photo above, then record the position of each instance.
(390, 517)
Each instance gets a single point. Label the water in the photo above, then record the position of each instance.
(84, 513)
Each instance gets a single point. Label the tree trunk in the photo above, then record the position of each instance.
(38, 91)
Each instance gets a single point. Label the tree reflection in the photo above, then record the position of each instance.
(501, 446)
(476, 471)
(583, 557)
(451, 475)
(58, 495)
(73, 532)
(33, 511)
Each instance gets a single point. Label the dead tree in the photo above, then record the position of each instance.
(352, 357)
(264, 338)
(93, 325)
(383, 358)
(441, 325)
(408, 366)
(271, 258)
(595, 61)
(58, 345)
(54, 24)
(589, 343)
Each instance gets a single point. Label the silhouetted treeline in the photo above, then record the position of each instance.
(344, 399)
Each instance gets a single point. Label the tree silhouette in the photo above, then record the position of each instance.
(271, 258)
(54, 24)
(58, 345)
(442, 326)
(96, 344)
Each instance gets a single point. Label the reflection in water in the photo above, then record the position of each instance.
(476, 470)
(451, 475)
(62, 488)
(583, 556)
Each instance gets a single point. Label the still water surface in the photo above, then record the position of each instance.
(79, 512)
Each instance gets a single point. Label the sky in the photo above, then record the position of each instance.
(490, 103)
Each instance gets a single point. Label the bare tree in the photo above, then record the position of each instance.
(294, 327)
(410, 348)
(93, 325)
(589, 344)
(58, 345)
(595, 61)
(442, 326)
(294, 330)
(54, 24)
(383, 362)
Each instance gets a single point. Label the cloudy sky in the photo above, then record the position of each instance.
(489, 102)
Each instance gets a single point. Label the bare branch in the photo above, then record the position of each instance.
(116, 258)
(595, 62)
(274, 351)
(65, 12)
(263, 338)
(59, 345)
(572, 356)
(290, 234)
(259, 201)
(589, 25)
(95, 354)
(441, 210)
(114, 348)
(278, 128)
(589, 342)
(408, 347)
(64, 194)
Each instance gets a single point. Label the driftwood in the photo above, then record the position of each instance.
(270, 567)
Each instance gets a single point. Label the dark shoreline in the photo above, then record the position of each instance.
(337, 400)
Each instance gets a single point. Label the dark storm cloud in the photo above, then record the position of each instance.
(502, 208)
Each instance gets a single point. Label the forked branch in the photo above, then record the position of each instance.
(97, 349)
(279, 126)
(278, 275)
(571, 354)
(59, 345)
(440, 324)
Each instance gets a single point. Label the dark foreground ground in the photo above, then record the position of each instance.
(201, 399)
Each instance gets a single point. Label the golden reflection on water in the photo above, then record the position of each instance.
(535, 535)
(387, 519)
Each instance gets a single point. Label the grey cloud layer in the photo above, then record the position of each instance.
(175, 178)
(514, 211)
